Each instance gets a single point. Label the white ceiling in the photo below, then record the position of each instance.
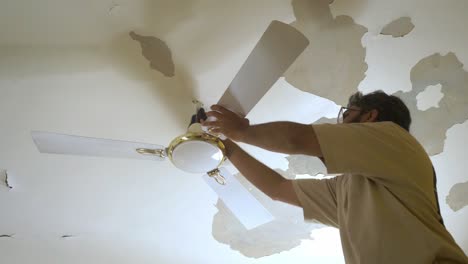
(70, 67)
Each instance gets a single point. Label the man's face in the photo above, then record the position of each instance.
(351, 114)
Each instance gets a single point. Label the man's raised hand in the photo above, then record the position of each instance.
(223, 121)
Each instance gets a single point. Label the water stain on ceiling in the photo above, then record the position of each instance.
(398, 28)
(458, 198)
(157, 53)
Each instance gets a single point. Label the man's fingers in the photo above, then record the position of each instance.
(220, 109)
(215, 130)
(211, 123)
(226, 111)
(215, 114)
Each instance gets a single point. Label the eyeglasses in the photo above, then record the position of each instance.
(344, 112)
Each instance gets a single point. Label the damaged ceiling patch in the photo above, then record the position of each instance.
(334, 63)
(157, 53)
(302, 164)
(430, 97)
(448, 71)
(282, 234)
(398, 28)
(458, 196)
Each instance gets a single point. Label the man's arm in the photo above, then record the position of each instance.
(284, 137)
(267, 180)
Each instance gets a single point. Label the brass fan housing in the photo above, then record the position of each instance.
(196, 152)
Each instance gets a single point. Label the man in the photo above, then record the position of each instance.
(384, 204)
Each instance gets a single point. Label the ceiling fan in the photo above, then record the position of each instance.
(198, 151)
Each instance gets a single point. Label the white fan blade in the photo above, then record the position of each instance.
(48, 142)
(276, 50)
(241, 202)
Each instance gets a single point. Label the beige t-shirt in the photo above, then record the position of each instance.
(384, 203)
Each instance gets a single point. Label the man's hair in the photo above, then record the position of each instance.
(390, 107)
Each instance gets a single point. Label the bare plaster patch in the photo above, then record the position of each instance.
(282, 234)
(334, 64)
(430, 97)
(157, 53)
(430, 126)
(398, 28)
(458, 196)
(302, 164)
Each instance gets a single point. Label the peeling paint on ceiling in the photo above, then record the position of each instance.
(458, 196)
(450, 166)
(157, 53)
(282, 234)
(334, 63)
(398, 28)
(430, 126)
(430, 97)
(302, 164)
(56, 67)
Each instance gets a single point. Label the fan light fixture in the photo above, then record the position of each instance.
(199, 151)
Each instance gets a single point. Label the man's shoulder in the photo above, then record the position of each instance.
(383, 127)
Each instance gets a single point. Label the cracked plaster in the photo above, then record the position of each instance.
(4, 177)
(67, 236)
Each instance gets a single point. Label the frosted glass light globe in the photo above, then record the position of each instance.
(197, 156)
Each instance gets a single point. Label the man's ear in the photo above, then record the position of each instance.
(372, 115)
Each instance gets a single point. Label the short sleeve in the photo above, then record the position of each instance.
(318, 199)
(382, 150)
